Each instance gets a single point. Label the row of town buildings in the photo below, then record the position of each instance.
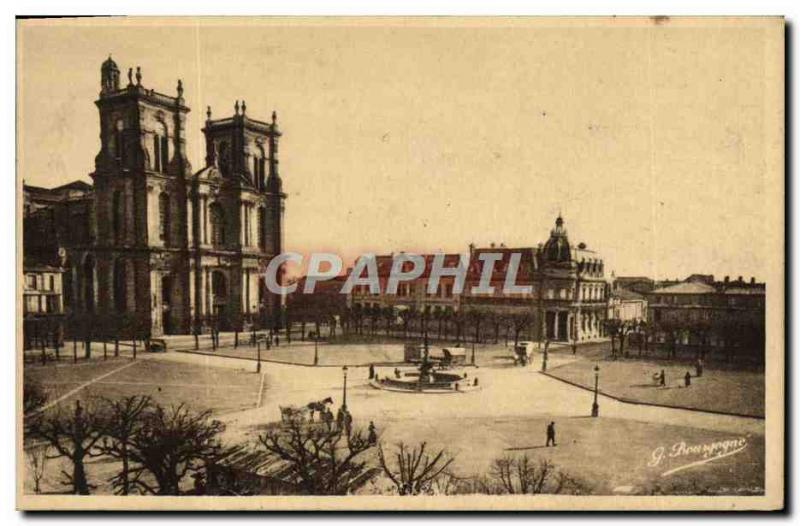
(566, 297)
(569, 298)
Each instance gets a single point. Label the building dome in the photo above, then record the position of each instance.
(557, 248)
(109, 65)
(109, 76)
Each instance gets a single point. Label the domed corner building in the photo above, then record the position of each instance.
(572, 291)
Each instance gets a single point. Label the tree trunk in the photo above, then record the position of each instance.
(125, 470)
(79, 483)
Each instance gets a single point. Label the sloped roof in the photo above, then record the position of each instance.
(626, 295)
(686, 288)
(527, 263)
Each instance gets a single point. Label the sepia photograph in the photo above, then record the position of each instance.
(400, 263)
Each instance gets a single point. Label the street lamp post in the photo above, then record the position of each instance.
(316, 355)
(544, 358)
(595, 407)
(258, 356)
(344, 387)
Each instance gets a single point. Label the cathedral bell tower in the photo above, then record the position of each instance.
(238, 203)
(140, 201)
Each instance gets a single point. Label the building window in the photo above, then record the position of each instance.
(259, 162)
(163, 217)
(262, 228)
(224, 159)
(30, 281)
(117, 216)
(161, 149)
(31, 304)
(157, 152)
(164, 153)
(217, 225)
(119, 141)
(52, 304)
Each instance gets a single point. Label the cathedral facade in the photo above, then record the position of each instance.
(168, 250)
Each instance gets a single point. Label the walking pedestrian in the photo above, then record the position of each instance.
(348, 422)
(371, 371)
(551, 434)
(372, 435)
(687, 379)
(340, 418)
(663, 381)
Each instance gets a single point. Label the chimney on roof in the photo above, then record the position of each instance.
(502, 245)
(740, 280)
(491, 245)
(727, 279)
(752, 280)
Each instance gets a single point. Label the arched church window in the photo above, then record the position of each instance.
(262, 228)
(259, 163)
(224, 156)
(117, 216)
(163, 217)
(161, 149)
(118, 127)
(217, 225)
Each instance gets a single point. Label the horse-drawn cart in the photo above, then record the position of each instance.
(305, 414)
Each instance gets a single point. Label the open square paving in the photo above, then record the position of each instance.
(616, 453)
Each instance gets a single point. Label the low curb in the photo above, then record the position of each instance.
(283, 362)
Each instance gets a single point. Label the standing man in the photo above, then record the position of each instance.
(371, 371)
(687, 379)
(372, 435)
(551, 434)
(663, 380)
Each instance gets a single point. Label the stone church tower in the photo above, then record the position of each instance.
(237, 211)
(172, 251)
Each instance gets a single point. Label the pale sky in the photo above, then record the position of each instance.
(407, 136)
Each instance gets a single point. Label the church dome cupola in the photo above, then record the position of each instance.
(109, 76)
(557, 248)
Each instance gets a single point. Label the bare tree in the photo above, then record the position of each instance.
(613, 328)
(34, 397)
(521, 475)
(324, 461)
(36, 458)
(520, 322)
(125, 420)
(415, 471)
(169, 444)
(74, 437)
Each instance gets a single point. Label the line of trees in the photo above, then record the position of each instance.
(157, 449)
(667, 336)
(470, 324)
(156, 446)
